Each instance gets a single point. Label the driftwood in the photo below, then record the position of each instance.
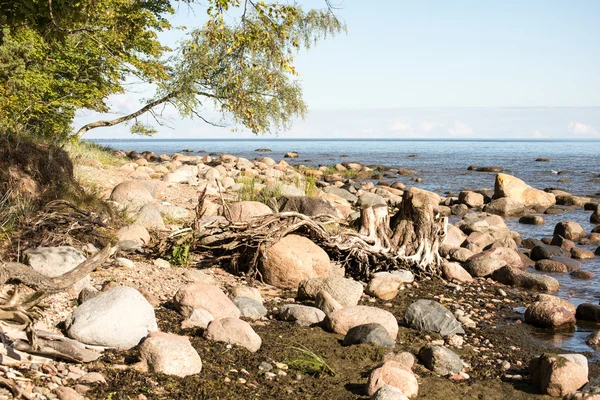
(19, 312)
(410, 239)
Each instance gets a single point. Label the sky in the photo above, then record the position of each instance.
(430, 69)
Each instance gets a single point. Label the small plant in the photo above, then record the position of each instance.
(180, 254)
(310, 185)
(248, 190)
(350, 173)
(310, 363)
(85, 152)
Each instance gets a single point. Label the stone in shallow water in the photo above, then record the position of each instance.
(429, 315)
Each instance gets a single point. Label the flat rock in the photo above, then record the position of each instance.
(429, 315)
(546, 251)
(119, 318)
(526, 280)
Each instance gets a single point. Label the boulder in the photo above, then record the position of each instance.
(325, 302)
(582, 254)
(250, 308)
(558, 264)
(301, 315)
(440, 360)
(131, 195)
(595, 217)
(341, 321)
(199, 318)
(507, 207)
(243, 211)
(532, 220)
(343, 193)
(392, 373)
(368, 199)
(491, 224)
(149, 217)
(454, 237)
(293, 259)
(471, 199)
(461, 254)
(207, 297)
(526, 280)
(569, 230)
(372, 333)
(546, 314)
(454, 271)
(119, 318)
(588, 312)
(483, 266)
(514, 188)
(547, 251)
(170, 354)
(543, 297)
(556, 375)
(383, 286)
(429, 315)
(310, 206)
(246, 291)
(233, 331)
(57, 261)
(133, 237)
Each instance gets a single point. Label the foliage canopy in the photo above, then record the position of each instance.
(59, 56)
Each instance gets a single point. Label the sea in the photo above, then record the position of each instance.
(573, 166)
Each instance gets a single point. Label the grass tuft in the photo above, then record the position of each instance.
(310, 363)
(89, 153)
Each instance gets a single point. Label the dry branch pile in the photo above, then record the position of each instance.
(410, 239)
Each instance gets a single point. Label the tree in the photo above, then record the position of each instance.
(242, 66)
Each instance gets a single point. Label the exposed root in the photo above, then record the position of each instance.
(413, 241)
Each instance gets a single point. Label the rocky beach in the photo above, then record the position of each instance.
(167, 315)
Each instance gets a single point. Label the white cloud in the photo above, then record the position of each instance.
(400, 126)
(578, 128)
(428, 126)
(460, 128)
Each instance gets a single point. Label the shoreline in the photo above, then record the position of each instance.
(496, 349)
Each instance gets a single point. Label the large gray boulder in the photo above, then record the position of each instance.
(301, 315)
(56, 261)
(119, 318)
(429, 315)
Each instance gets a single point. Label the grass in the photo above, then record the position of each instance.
(250, 191)
(310, 185)
(310, 363)
(13, 209)
(88, 152)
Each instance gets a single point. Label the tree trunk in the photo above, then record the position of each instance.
(375, 225)
(125, 118)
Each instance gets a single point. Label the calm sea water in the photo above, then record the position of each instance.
(443, 167)
(442, 164)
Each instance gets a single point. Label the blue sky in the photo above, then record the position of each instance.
(438, 68)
